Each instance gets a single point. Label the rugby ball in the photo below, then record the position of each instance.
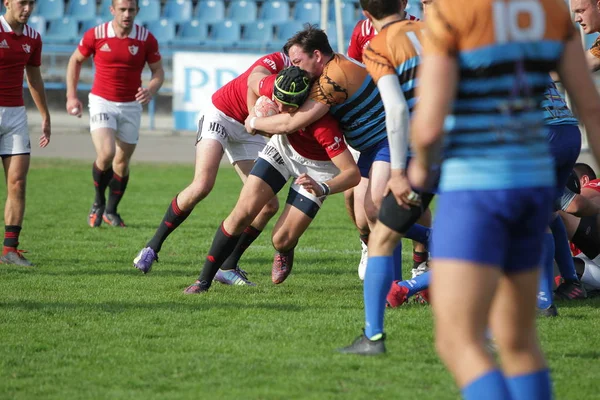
(265, 107)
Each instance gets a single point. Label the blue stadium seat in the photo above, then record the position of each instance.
(308, 11)
(210, 10)
(81, 10)
(38, 23)
(242, 11)
(149, 11)
(274, 11)
(332, 35)
(226, 33)
(414, 8)
(256, 35)
(50, 9)
(178, 10)
(348, 12)
(284, 31)
(104, 9)
(589, 40)
(163, 29)
(62, 30)
(192, 33)
(89, 24)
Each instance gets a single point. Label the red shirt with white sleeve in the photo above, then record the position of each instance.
(231, 99)
(362, 34)
(119, 61)
(16, 52)
(320, 141)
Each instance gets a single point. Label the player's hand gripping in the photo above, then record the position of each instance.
(400, 188)
(46, 132)
(74, 107)
(143, 96)
(312, 186)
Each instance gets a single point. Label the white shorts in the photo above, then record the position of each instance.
(281, 155)
(123, 118)
(355, 153)
(238, 144)
(14, 133)
(591, 273)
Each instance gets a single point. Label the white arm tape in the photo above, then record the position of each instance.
(396, 119)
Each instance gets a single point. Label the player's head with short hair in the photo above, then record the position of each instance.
(587, 14)
(380, 9)
(124, 12)
(309, 49)
(584, 172)
(291, 88)
(18, 11)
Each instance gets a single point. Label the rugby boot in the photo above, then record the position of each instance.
(12, 255)
(113, 220)
(551, 311)
(364, 346)
(236, 276)
(397, 295)
(197, 288)
(95, 215)
(570, 290)
(282, 266)
(145, 259)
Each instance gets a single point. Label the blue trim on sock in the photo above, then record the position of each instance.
(489, 386)
(536, 385)
(417, 284)
(546, 281)
(378, 279)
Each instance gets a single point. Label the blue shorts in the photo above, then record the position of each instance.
(565, 145)
(504, 228)
(377, 152)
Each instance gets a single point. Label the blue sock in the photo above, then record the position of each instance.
(398, 262)
(536, 385)
(378, 279)
(419, 233)
(490, 386)
(562, 252)
(417, 284)
(546, 273)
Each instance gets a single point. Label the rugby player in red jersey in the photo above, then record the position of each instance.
(120, 49)
(316, 157)
(20, 49)
(221, 129)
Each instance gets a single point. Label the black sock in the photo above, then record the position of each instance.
(11, 235)
(364, 238)
(172, 219)
(419, 257)
(117, 186)
(222, 246)
(101, 179)
(250, 234)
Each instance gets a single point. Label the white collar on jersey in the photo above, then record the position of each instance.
(110, 32)
(5, 26)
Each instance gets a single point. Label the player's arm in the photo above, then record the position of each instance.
(578, 82)
(348, 177)
(74, 106)
(157, 77)
(582, 207)
(38, 93)
(592, 61)
(258, 73)
(285, 123)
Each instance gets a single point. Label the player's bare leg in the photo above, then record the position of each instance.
(289, 228)
(461, 316)
(379, 176)
(118, 183)
(15, 173)
(362, 223)
(104, 141)
(512, 320)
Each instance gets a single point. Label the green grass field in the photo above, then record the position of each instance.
(84, 324)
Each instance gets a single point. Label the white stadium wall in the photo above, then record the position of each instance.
(196, 76)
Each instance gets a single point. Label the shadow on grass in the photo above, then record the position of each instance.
(119, 307)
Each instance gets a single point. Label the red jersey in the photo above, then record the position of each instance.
(320, 141)
(231, 99)
(362, 34)
(594, 185)
(16, 52)
(119, 62)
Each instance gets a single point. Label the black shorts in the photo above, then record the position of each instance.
(399, 218)
(586, 237)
